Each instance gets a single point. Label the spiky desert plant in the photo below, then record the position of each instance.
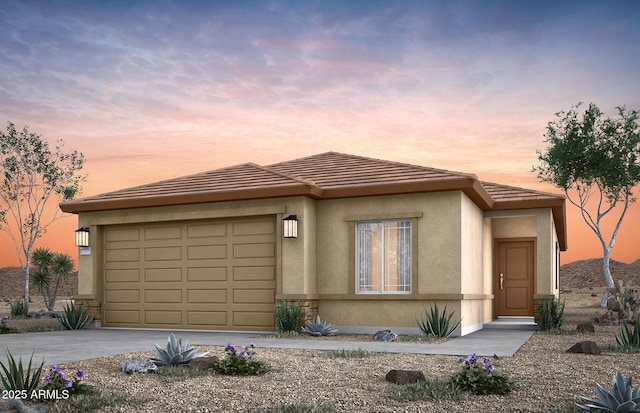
(629, 337)
(16, 377)
(319, 328)
(175, 353)
(75, 317)
(436, 323)
(288, 317)
(551, 314)
(622, 397)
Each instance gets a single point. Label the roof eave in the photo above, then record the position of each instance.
(93, 205)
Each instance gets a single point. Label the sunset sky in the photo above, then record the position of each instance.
(150, 90)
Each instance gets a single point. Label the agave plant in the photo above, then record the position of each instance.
(175, 353)
(18, 378)
(438, 324)
(622, 398)
(319, 328)
(75, 317)
(629, 337)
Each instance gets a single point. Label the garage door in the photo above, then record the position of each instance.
(213, 275)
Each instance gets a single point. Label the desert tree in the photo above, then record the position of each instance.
(594, 159)
(32, 177)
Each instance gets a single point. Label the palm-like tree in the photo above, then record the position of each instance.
(51, 268)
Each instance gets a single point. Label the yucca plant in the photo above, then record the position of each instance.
(629, 337)
(319, 328)
(175, 353)
(75, 317)
(16, 377)
(288, 317)
(436, 323)
(622, 398)
(551, 314)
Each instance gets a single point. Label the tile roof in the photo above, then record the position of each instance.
(323, 176)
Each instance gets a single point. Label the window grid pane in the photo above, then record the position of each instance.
(383, 260)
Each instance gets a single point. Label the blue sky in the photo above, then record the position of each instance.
(149, 90)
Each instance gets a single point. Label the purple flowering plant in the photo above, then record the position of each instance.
(479, 376)
(5, 328)
(59, 379)
(241, 361)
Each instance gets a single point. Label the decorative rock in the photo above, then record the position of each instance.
(203, 363)
(585, 328)
(385, 335)
(586, 347)
(403, 377)
(138, 366)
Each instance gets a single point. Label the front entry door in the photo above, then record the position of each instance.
(514, 277)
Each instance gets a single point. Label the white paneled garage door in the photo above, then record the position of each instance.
(213, 274)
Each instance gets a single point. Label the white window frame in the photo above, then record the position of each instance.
(384, 282)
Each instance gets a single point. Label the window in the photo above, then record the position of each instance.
(383, 256)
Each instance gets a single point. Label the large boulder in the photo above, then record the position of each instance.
(403, 377)
(585, 347)
(138, 366)
(585, 328)
(203, 363)
(385, 335)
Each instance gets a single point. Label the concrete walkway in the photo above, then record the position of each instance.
(59, 347)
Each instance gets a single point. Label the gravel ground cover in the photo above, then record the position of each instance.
(546, 376)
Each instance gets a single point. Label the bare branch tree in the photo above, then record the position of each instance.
(32, 176)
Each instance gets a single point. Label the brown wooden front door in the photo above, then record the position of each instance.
(514, 277)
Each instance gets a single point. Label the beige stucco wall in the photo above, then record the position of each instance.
(473, 284)
(438, 237)
(453, 247)
(537, 223)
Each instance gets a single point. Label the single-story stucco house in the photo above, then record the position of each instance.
(377, 242)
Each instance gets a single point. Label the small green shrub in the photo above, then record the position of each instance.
(304, 407)
(428, 390)
(348, 354)
(437, 324)
(5, 327)
(629, 337)
(481, 377)
(242, 363)
(16, 377)
(622, 397)
(551, 314)
(288, 317)
(19, 309)
(75, 317)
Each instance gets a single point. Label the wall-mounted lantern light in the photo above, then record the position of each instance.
(290, 226)
(82, 237)
(82, 240)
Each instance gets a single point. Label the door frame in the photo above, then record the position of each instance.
(496, 264)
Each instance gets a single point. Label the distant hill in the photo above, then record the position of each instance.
(12, 285)
(588, 273)
(577, 274)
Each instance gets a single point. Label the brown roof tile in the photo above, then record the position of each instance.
(323, 176)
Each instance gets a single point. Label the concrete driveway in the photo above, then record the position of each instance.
(59, 347)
